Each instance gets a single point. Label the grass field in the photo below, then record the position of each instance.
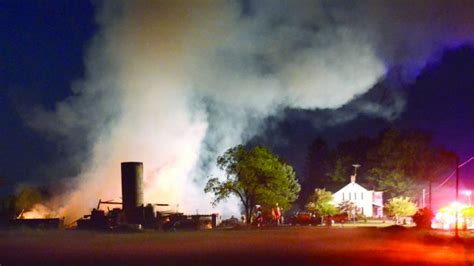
(302, 245)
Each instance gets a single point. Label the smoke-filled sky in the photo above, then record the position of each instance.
(175, 83)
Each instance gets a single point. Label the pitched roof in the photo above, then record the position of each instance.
(352, 186)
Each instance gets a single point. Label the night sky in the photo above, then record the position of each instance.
(42, 53)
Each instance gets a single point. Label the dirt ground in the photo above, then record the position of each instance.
(273, 246)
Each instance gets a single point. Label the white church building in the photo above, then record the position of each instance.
(367, 202)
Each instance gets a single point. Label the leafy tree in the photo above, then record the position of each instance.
(331, 169)
(396, 162)
(315, 168)
(399, 161)
(347, 207)
(320, 202)
(393, 182)
(340, 172)
(343, 157)
(423, 217)
(255, 176)
(400, 206)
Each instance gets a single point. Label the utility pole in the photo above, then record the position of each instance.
(429, 196)
(456, 229)
(423, 199)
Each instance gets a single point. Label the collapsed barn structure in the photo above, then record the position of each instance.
(135, 214)
(131, 213)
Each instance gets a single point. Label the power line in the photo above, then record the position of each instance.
(452, 174)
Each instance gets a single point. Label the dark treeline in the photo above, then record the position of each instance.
(396, 161)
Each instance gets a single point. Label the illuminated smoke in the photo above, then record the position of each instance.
(175, 83)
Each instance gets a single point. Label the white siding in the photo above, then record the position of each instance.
(360, 196)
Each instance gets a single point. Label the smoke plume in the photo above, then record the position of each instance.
(175, 83)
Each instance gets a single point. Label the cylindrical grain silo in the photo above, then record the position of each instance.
(132, 188)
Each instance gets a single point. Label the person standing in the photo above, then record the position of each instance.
(259, 216)
(276, 214)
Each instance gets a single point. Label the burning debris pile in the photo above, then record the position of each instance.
(134, 214)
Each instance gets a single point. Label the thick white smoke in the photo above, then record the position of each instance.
(175, 83)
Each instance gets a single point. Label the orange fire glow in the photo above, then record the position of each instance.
(38, 211)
